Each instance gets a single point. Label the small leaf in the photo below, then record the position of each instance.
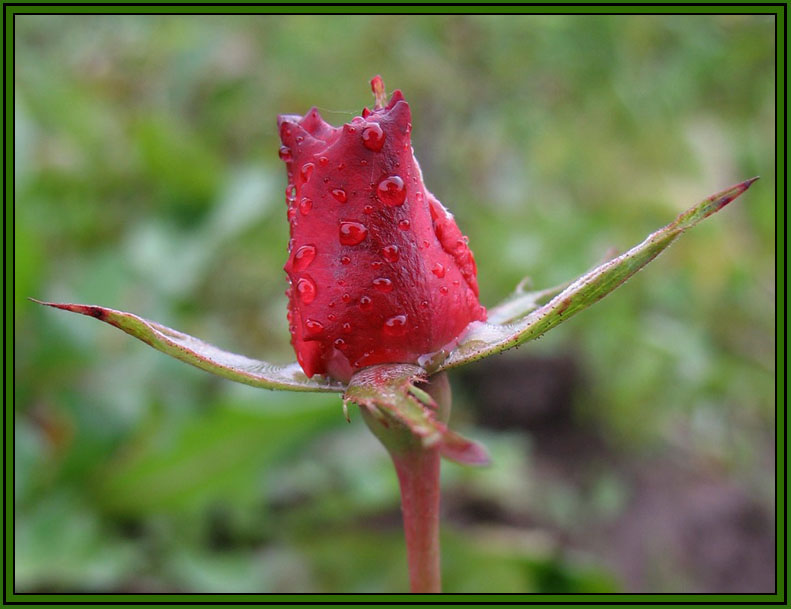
(389, 394)
(484, 339)
(203, 355)
(520, 303)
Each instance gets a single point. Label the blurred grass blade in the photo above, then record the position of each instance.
(485, 339)
(203, 355)
(388, 393)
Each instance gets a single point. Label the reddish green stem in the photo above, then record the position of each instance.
(418, 477)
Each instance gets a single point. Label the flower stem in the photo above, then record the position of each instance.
(418, 478)
(418, 469)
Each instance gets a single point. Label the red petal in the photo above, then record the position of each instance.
(368, 291)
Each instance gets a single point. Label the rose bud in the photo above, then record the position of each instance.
(378, 271)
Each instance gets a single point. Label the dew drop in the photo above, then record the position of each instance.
(339, 194)
(403, 224)
(291, 214)
(368, 209)
(285, 154)
(300, 139)
(373, 137)
(291, 192)
(443, 290)
(352, 233)
(346, 328)
(339, 343)
(323, 160)
(313, 327)
(345, 260)
(305, 205)
(304, 256)
(376, 265)
(438, 270)
(395, 326)
(391, 191)
(306, 290)
(390, 253)
(366, 304)
(332, 317)
(383, 284)
(346, 298)
(306, 170)
(424, 304)
(364, 162)
(341, 166)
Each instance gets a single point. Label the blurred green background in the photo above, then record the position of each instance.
(633, 448)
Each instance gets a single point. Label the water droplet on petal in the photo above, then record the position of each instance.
(306, 290)
(424, 304)
(376, 265)
(346, 328)
(345, 260)
(339, 343)
(403, 225)
(305, 205)
(366, 304)
(304, 256)
(323, 160)
(339, 194)
(368, 209)
(352, 233)
(391, 191)
(373, 137)
(306, 170)
(390, 253)
(332, 317)
(341, 166)
(438, 270)
(285, 154)
(443, 290)
(313, 327)
(346, 298)
(383, 284)
(395, 326)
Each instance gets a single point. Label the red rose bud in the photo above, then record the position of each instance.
(378, 271)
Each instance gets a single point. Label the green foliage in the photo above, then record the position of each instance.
(147, 179)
